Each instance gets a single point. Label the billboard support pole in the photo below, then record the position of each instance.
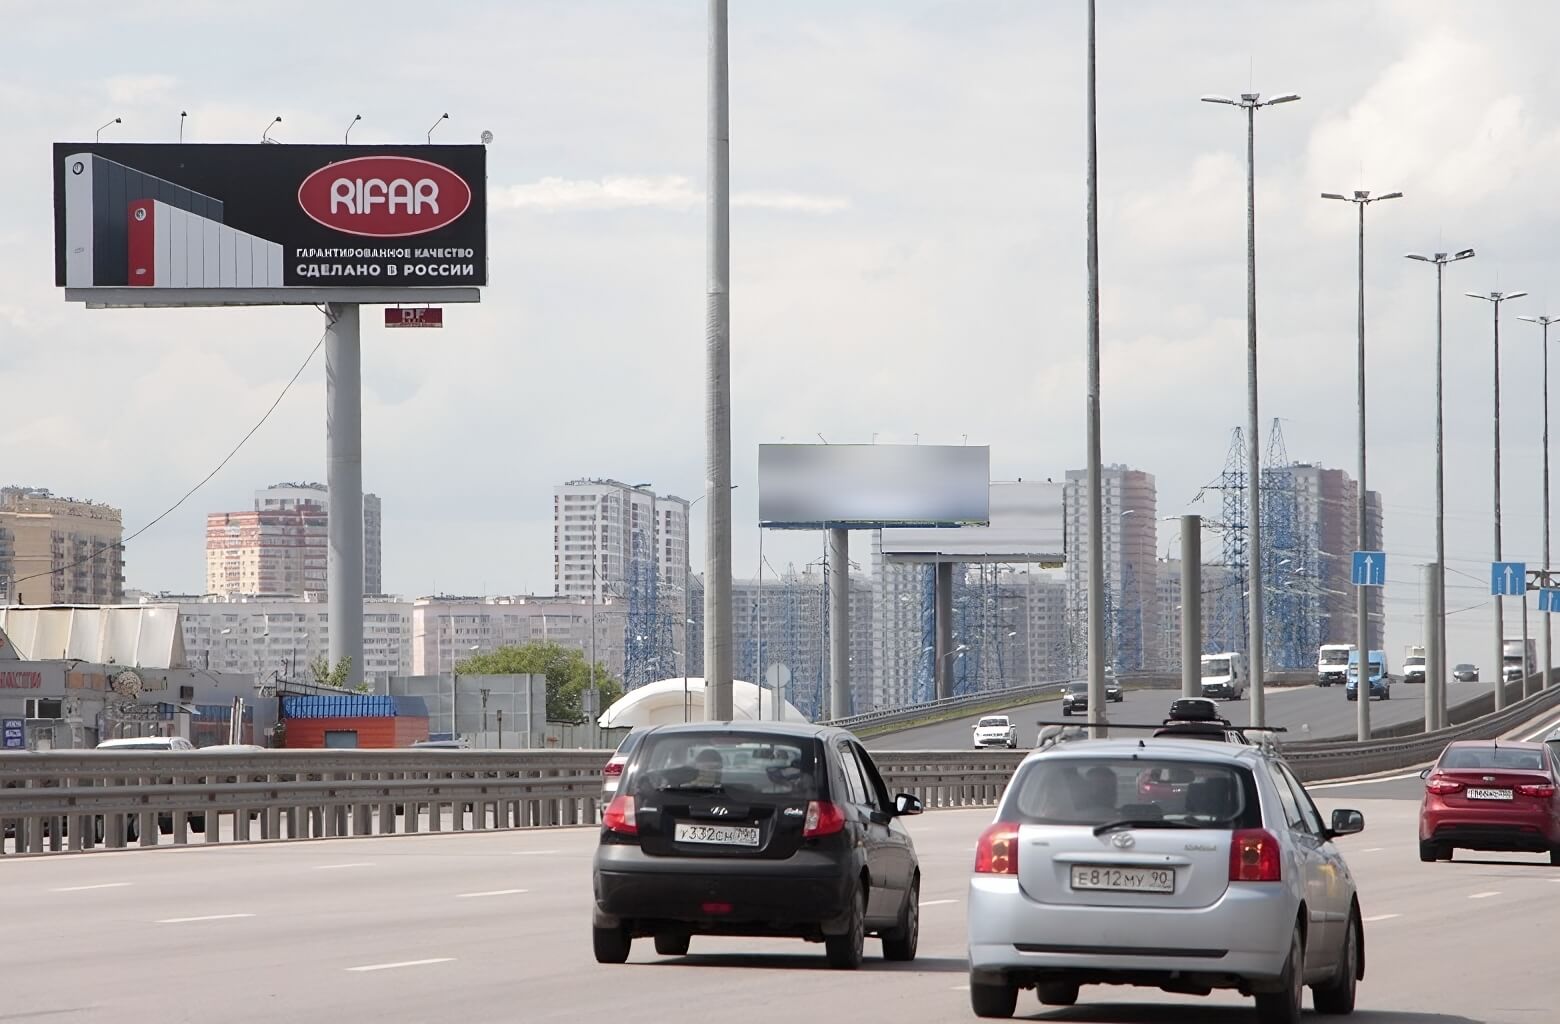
(942, 671)
(717, 409)
(344, 481)
(839, 622)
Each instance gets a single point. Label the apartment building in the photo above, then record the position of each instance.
(57, 550)
(281, 545)
(609, 537)
(1129, 524)
(446, 629)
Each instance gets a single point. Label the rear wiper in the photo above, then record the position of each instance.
(691, 787)
(1117, 826)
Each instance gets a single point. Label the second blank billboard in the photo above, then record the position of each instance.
(808, 486)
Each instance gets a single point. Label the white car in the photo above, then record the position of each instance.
(1182, 865)
(996, 731)
(167, 744)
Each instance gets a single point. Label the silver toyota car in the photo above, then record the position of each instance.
(1170, 863)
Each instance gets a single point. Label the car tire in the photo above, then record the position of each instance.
(1283, 1006)
(1337, 996)
(1066, 713)
(671, 944)
(993, 998)
(845, 951)
(611, 944)
(1057, 993)
(1429, 851)
(900, 944)
(1554, 856)
(1386, 694)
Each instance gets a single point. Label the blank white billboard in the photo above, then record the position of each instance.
(1026, 526)
(809, 486)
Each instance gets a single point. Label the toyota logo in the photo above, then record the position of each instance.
(1123, 841)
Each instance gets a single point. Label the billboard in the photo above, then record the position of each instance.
(198, 224)
(810, 486)
(1026, 526)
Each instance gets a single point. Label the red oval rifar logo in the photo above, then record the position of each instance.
(384, 196)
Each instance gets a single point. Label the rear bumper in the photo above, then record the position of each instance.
(1218, 690)
(1489, 830)
(792, 896)
(1242, 938)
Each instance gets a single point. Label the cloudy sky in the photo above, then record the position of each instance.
(908, 255)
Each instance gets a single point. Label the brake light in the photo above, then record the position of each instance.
(823, 819)
(1254, 856)
(1542, 789)
(714, 909)
(996, 853)
(1440, 785)
(621, 817)
(613, 769)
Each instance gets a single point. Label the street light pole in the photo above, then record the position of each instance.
(1362, 199)
(1495, 299)
(1250, 102)
(1096, 575)
(1544, 322)
(1438, 660)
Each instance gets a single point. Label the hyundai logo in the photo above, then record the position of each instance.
(719, 812)
(1123, 841)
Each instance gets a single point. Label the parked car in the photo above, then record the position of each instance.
(755, 829)
(1490, 796)
(1221, 874)
(1466, 673)
(995, 731)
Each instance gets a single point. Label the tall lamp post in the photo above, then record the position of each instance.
(1251, 102)
(1362, 199)
(1544, 322)
(1495, 299)
(1437, 631)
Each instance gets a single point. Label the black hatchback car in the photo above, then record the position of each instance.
(755, 829)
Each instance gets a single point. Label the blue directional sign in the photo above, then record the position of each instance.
(13, 734)
(1508, 579)
(1370, 569)
(1549, 599)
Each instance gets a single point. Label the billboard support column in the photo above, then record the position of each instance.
(344, 480)
(1191, 606)
(942, 671)
(839, 622)
(717, 409)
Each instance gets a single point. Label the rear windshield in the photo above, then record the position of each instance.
(730, 763)
(1093, 791)
(1514, 759)
(992, 723)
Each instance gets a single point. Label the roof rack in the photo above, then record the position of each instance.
(1264, 736)
(1170, 723)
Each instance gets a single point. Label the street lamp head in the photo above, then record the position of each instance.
(1334, 195)
(1491, 297)
(1425, 259)
(1389, 195)
(1219, 99)
(1283, 97)
(1463, 254)
(1513, 295)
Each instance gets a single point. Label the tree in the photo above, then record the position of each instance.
(567, 672)
(335, 677)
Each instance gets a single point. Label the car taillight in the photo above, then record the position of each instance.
(823, 819)
(1254, 856)
(613, 769)
(1542, 789)
(996, 853)
(620, 816)
(1441, 786)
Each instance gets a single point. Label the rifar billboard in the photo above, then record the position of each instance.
(219, 220)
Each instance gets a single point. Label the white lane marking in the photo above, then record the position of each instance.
(1381, 917)
(1484, 895)
(960, 988)
(1544, 730)
(1373, 849)
(939, 903)
(403, 963)
(338, 867)
(100, 885)
(491, 892)
(533, 853)
(206, 917)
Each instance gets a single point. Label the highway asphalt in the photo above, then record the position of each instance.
(494, 927)
(1325, 710)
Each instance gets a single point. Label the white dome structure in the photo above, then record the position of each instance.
(666, 702)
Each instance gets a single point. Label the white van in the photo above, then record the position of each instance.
(1224, 675)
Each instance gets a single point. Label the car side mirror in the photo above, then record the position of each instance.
(1347, 823)
(905, 805)
(1424, 773)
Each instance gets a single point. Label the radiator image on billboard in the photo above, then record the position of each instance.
(246, 223)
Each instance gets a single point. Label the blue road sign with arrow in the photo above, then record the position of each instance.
(1549, 599)
(1369, 569)
(1508, 579)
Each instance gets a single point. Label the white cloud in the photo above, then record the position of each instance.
(671, 192)
(134, 90)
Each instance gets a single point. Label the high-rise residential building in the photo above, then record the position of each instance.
(1168, 586)
(1327, 513)
(780, 625)
(1129, 524)
(281, 545)
(59, 550)
(446, 629)
(608, 536)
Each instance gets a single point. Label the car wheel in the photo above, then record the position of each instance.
(611, 944)
(993, 998)
(1429, 851)
(1066, 711)
(197, 823)
(1337, 996)
(845, 951)
(1057, 993)
(1283, 1006)
(671, 944)
(1554, 855)
(1386, 694)
(900, 944)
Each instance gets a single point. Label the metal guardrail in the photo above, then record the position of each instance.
(66, 801)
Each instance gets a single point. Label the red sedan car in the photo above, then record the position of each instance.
(1490, 796)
